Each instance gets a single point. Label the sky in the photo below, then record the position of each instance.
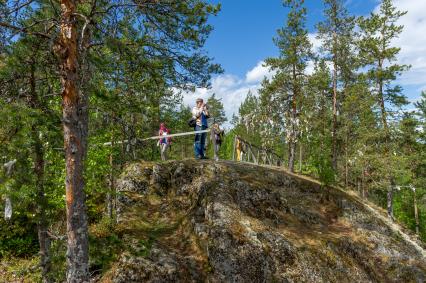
(243, 37)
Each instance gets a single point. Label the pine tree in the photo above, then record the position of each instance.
(337, 34)
(419, 162)
(377, 53)
(169, 35)
(421, 113)
(216, 109)
(249, 123)
(26, 65)
(317, 117)
(378, 31)
(288, 83)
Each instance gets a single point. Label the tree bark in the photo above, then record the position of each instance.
(42, 224)
(416, 213)
(383, 110)
(300, 157)
(346, 162)
(75, 124)
(334, 131)
(387, 143)
(363, 183)
(390, 199)
(292, 141)
(110, 198)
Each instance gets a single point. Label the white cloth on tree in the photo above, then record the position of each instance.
(8, 209)
(8, 167)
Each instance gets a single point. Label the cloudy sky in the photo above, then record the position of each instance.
(242, 39)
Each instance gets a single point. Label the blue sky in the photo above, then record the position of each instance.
(242, 39)
(244, 29)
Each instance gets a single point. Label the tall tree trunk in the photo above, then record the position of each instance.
(363, 187)
(292, 153)
(346, 161)
(75, 124)
(132, 136)
(416, 213)
(292, 142)
(300, 157)
(387, 143)
(390, 199)
(383, 112)
(42, 224)
(110, 198)
(123, 144)
(334, 130)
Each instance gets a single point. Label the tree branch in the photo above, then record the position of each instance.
(23, 30)
(19, 7)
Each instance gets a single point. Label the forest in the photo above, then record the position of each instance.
(83, 82)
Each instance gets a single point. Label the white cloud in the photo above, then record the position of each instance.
(415, 100)
(412, 42)
(310, 67)
(231, 89)
(316, 43)
(258, 73)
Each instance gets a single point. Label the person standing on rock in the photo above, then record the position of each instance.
(200, 113)
(164, 143)
(216, 136)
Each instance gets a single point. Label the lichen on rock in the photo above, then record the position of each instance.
(234, 222)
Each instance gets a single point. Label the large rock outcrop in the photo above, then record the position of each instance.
(204, 221)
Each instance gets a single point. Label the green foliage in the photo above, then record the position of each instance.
(227, 146)
(216, 110)
(20, 269)
(377, 33)
(323, 168)
(18, 236)
(135, 78)
(58, 260)
(105, 246)
(282, 96)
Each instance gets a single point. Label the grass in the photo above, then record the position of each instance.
(24, 270)
(105, 245)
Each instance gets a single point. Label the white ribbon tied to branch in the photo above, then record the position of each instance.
(8, 167)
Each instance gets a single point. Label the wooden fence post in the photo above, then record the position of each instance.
(234, 148)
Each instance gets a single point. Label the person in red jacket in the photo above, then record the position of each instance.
(165, 142)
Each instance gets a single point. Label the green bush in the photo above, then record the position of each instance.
(18, 237)
(324, 168)
(105, 245)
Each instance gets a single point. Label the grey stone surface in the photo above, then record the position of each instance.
(225, 222)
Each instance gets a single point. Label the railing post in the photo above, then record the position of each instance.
(234, 147)
(254, 157)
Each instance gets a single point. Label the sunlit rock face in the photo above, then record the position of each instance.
(205, 221)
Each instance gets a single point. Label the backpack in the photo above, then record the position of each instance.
(192, 122)
(218, 136)
(164, 140)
